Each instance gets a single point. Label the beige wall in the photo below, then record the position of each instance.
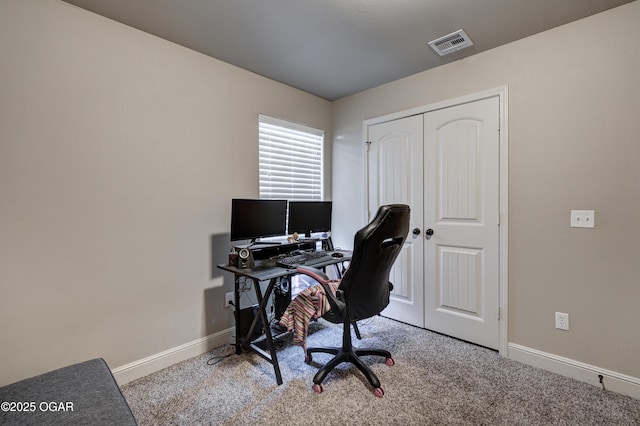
(119, 154)
(574, 143)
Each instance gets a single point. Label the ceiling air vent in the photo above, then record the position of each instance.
(451, 43)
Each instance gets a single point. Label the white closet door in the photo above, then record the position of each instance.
(461, 206)
(445, 164)
(396, 176)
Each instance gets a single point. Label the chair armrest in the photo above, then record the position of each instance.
(314, 273)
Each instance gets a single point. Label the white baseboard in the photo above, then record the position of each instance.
(157, 362)
(612, 380)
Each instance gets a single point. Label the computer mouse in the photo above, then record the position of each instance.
(336, 254)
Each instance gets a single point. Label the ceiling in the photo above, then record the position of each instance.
(334, 48)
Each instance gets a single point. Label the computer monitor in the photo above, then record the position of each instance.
(309, 216)
(253, 219)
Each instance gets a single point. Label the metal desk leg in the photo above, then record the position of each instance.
(236, 307)
(262, 304)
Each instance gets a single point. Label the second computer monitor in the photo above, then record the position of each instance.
(309, 216)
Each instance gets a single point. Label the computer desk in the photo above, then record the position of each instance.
(265, 270)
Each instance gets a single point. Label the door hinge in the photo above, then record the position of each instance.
(498, 313)
(368, 143)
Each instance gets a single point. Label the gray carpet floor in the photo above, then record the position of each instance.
(436, 381)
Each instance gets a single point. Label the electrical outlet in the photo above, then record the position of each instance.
(583, 219)
(562, 321)
(228, 299)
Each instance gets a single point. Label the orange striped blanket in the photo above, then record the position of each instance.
(309, 303)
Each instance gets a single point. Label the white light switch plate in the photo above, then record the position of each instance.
(583, 218)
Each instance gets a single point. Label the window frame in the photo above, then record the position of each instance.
(277, 163)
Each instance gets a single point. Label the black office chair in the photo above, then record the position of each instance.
(364, 290)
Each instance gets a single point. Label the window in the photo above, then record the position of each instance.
(290, 160)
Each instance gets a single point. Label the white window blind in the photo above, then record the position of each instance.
(290, 160)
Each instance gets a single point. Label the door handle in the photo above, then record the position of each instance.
(416, 231)
(428, 233)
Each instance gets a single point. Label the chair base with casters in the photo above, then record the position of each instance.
(351, 354)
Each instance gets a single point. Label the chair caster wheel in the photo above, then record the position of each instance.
(318, 388)
(379, 392)
(390, 362)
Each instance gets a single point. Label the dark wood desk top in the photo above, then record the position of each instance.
(262, 271)
(267, 269)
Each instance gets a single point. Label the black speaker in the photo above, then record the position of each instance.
(245, 258)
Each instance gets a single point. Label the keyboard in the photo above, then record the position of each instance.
(310, 258)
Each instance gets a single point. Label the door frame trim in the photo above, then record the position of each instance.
(502, 92)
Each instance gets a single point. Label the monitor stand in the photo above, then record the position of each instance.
(262, 243)
(327, 244)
